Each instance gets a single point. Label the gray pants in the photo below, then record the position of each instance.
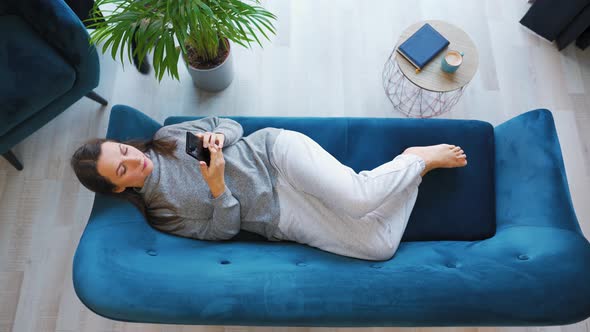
(327, 205)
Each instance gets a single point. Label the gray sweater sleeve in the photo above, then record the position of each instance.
(225, 222)
(223, 225)
(231, 129)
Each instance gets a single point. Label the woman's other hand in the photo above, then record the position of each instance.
(214, 174)
(210, 138)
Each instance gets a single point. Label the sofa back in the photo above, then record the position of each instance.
(452, 204)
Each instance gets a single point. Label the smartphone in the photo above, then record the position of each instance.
(195, 149)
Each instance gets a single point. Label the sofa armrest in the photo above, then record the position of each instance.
(62, 29)
(531, 183)
(127, 123)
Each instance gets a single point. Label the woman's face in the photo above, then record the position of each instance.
(124, 165)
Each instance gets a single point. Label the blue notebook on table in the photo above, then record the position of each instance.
(422, 46)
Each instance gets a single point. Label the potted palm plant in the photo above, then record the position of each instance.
(203, 30)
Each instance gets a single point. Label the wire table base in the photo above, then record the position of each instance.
(412, 100)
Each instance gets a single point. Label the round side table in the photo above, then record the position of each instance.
(431, 91)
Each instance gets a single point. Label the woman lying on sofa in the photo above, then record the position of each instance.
(274, 182)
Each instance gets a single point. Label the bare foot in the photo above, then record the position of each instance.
(439, 156)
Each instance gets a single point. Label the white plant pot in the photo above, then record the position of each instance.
(214, 79)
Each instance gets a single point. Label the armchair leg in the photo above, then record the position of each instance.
(12, 160)
(97, 98)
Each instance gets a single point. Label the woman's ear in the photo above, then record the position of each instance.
(119, 190)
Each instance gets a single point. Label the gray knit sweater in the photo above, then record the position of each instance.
(249, 202)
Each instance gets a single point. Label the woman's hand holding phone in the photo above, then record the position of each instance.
(212, 139)
(214, 174)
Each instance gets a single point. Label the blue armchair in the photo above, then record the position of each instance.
(46, 65)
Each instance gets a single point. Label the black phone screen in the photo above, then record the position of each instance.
(195, 149)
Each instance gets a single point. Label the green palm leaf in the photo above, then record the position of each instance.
(158, 25)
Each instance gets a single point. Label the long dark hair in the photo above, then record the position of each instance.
(85, 160)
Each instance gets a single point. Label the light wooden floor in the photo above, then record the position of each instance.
(326, 60)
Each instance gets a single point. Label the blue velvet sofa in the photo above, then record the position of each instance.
(46, 65)
(495, 243)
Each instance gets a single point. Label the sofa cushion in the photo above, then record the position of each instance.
(34, 73)
(452, 204)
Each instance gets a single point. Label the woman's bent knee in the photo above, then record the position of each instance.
(383, 253)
